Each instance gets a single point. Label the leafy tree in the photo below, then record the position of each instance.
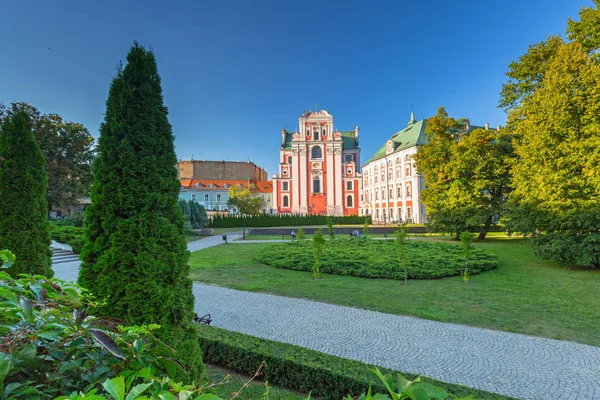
(467, 248)
(466, 175)
(244, 200)
(401, 243)
(329, 223)
(135, 253)
(318, 244)
(68, 149)
(556, 126)
(24, 227)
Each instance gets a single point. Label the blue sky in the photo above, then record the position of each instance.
(235, 71)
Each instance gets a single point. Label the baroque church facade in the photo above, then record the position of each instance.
(319, 168)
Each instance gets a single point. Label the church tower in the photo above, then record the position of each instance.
(319, 169)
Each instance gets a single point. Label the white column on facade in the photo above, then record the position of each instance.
(303, 180)
(339, 205)
(330, 176)
(274, 203)
(295, 179)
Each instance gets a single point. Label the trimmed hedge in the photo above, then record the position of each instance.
(378, 258)
(267, 220)
(71, 235)
(295, 367)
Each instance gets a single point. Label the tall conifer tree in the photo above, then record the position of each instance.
(135, 254)
(23, 209)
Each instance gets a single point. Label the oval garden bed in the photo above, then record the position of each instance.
(378, 258)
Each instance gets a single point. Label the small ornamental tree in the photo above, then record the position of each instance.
(301, 235)
(24, 227)
(198, 217)
(135, 255)
(318, 243)
(467, 247)
(401, 244)
(330, 227)
(365, 229)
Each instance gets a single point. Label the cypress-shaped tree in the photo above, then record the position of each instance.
(135, 253)
(24, 228)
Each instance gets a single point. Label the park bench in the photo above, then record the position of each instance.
(206, 319)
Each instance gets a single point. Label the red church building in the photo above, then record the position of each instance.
(319, 168)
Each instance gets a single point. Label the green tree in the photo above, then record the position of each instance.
(244, 200)
(401, 244)
(24, 228)
(466, 240)
(68, 149)
(556, 179)
(329, 223)
(135, 253)
(301, 235)
(318, 244)
(198, 216)
(466, 175)
(365, 229)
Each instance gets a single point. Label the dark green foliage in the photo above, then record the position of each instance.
(329, 222)
(318, 242)
(378, 258)
(51, 346)
(135, 253)
(294, 367)
(23, 207)
(71, 235)
(301, 235)
(198, 217)
(268, 220)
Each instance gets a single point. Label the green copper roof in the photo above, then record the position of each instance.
(412, 135)
(288, 140)
(349, 140)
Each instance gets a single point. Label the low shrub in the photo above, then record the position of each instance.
(71, 235)
(378, 258)
(273, 220)
(294, 367)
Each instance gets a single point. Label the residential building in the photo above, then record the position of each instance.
(237, 170)
(319, 168)
(213, 194)
(391, 187)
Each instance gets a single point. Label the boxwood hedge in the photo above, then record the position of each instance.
(71, 235)
(378, 258)
(295, 367)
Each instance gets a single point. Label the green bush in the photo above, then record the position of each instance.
(378, 258)
(294, 367)
(273, 220)
(71, 235)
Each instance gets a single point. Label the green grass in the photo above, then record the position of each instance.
(524, 294)
(235, 382)
(287, 236)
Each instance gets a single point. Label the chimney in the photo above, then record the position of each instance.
(487, 126)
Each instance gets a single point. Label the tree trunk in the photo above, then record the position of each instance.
(485, 228)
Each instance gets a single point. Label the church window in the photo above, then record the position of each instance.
(285, 186)
(391, 194)
(316, 185)
(375, 178)
(382, 194)
(377, 195)
(289, 159)
(307, 132)
(407, 171)
(317, 135)
(349, 201)
(316, 152)
(348, 185)
(348, 158)
(286, 201)
(399, 192)
(408, 193)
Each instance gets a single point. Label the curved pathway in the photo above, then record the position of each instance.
(517, 365)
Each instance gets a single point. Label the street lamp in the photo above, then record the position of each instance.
(244, 234)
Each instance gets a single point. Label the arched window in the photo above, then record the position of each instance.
(349, 202)
(316, 152)
(399, 192)
(391, 194)
(376, 178)
(286, 201)
(316, 185)
(408, 193)
(407, 171)
(398, 173)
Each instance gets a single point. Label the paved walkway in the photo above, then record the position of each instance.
(517, 365)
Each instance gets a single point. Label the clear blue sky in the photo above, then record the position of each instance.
(235, 72)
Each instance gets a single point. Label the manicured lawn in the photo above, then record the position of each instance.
(256, 389)
(524, 294)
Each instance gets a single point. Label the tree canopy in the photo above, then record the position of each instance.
(135, 253)
(24, 226)
(556, 124)
(68, 149)
(466, 175)
(245, 201)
